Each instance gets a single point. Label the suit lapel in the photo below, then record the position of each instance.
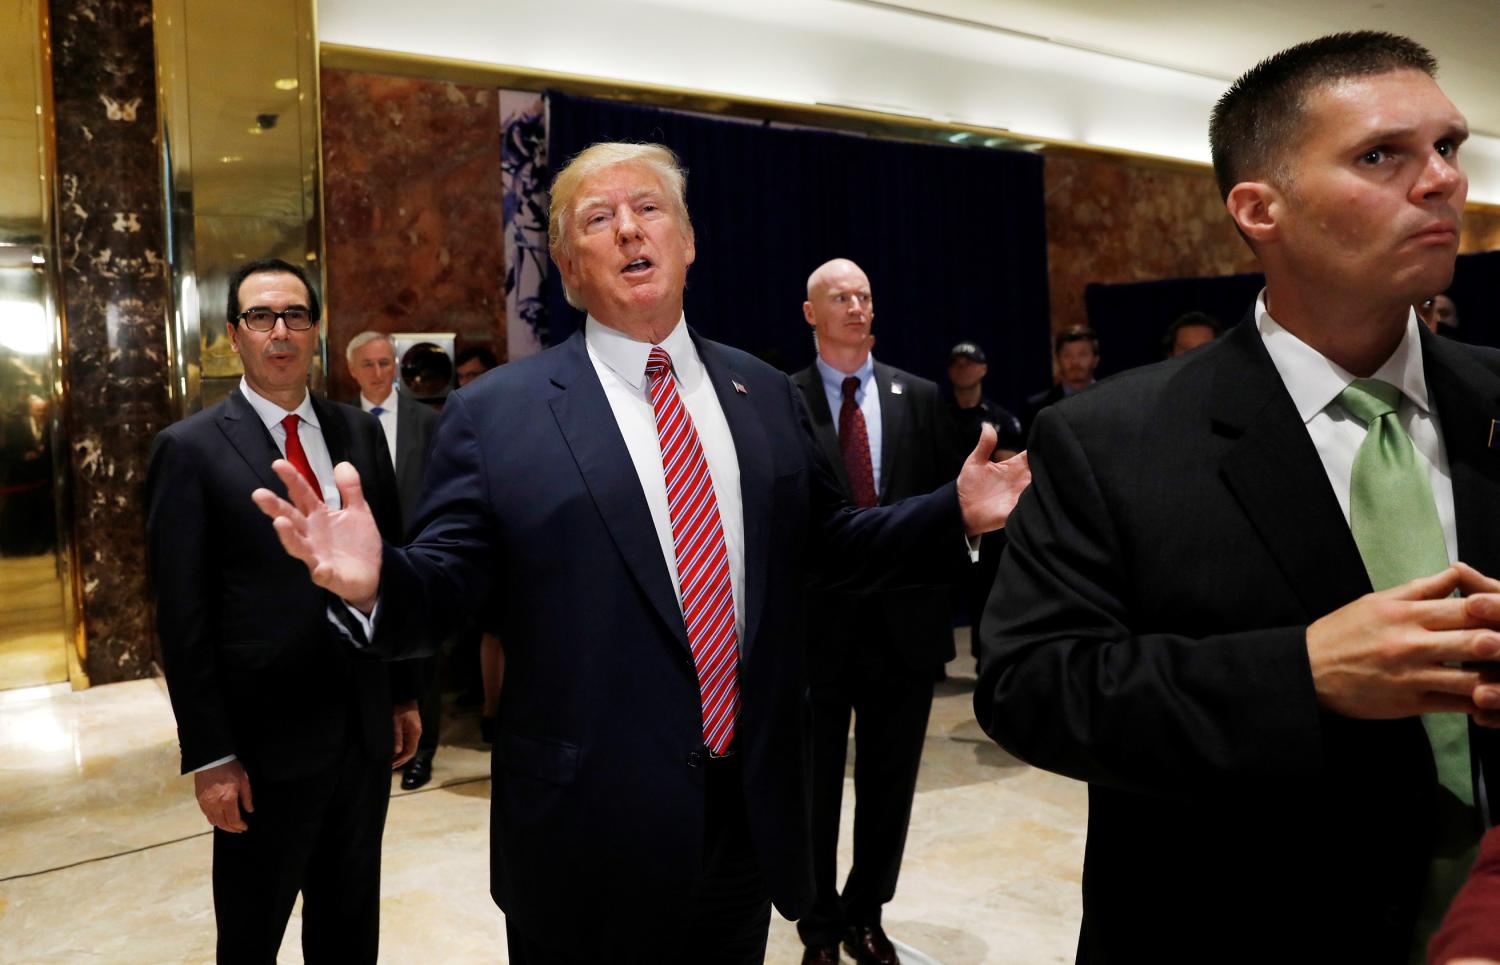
(1466, 396)
(250, 438)
(893, 406)
(406, 431)
(811, 383)
(1275, 473)
(751, 450)
(335, 432)
(593, 436)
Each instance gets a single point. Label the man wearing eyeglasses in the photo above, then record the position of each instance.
(289, 738)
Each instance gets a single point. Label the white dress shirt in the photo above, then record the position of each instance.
(387, 419)
(867, 396)
(620, 362)
(310, 434)
(1315, 383)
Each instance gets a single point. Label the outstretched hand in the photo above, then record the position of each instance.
(987, 491)
(341, 547)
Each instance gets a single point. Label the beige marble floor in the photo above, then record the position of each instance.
(104, 857)
(33, 637)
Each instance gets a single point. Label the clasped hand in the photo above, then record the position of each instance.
(1412, 649)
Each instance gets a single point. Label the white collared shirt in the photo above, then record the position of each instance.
(867, 396)
(620, 362)
(387, 419)
(309, 433)
(1315, 383)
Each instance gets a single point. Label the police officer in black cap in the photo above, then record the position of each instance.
(970, 410)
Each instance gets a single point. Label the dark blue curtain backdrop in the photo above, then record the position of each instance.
(953, 239)
(1131, 318)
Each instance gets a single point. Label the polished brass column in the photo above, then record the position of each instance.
(239, 119)
(40, 638)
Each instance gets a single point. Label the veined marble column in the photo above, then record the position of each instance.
(114, 299)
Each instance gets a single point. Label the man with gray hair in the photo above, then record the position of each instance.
(408, 427)
(643, 508)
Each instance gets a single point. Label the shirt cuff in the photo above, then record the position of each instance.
(972, 544)
(222, 760)
(366, 624)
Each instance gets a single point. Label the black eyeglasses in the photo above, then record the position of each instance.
(263, 319)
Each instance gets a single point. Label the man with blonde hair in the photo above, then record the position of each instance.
(643, 508)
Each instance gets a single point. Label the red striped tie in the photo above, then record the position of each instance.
(702, 558)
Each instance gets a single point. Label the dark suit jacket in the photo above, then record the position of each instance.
(251, 662)
(1036, 403)
(919, 451)
(534, 507)
(1147, 634)
(415, 423)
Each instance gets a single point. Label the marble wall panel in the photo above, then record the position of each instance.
(1118, 220)
(114, 293)
(412, 212)
(1481, 230)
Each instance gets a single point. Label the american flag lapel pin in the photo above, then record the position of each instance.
(739, 387)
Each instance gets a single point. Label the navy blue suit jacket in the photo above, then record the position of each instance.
(533, 509)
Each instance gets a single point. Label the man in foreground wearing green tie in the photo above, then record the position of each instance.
(1232, 600)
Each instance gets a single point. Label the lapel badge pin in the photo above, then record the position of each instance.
(1495, 433)
(739, 387)
(897, 388)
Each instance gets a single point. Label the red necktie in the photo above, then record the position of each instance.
(854, 444)
(297, 456)
(702, 557)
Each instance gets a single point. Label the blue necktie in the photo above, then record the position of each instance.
(377, 410)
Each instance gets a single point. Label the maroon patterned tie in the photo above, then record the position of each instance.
(854, 444)
(702, 557)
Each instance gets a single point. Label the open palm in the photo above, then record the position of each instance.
(341, 547)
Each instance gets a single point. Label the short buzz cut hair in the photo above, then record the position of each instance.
(1259, 118)
(365, 338)
(270, 266)
(656, 158)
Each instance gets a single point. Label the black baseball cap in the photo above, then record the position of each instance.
(969, 351)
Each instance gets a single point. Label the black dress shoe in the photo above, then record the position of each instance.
(869, 946)
(418, 771)
(821, 955)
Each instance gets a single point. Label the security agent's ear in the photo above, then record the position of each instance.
(1255, 207)
(807, 313)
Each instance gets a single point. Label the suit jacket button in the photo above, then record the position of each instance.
(694, 759)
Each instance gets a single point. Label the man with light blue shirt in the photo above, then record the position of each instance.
(1232, 600)
(871, 654)
(288, 736)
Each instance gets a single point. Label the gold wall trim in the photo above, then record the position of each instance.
(242, 155)
(833, 116)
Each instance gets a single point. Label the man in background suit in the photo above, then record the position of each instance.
(872, 654)
(408, 426)
(1226, 599)
(287, 734)
(1075, 356)
(644, 507)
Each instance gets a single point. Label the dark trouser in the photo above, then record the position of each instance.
(726, 917)
(318, 835)
(430, 706)
(890, 702)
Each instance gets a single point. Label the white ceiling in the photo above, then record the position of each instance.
(1141, 75)
(1223, 38)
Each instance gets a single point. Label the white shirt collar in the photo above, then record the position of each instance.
(271, 414)
(626, 356)
(833, 379)
(1314, 381)
(386, 406)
